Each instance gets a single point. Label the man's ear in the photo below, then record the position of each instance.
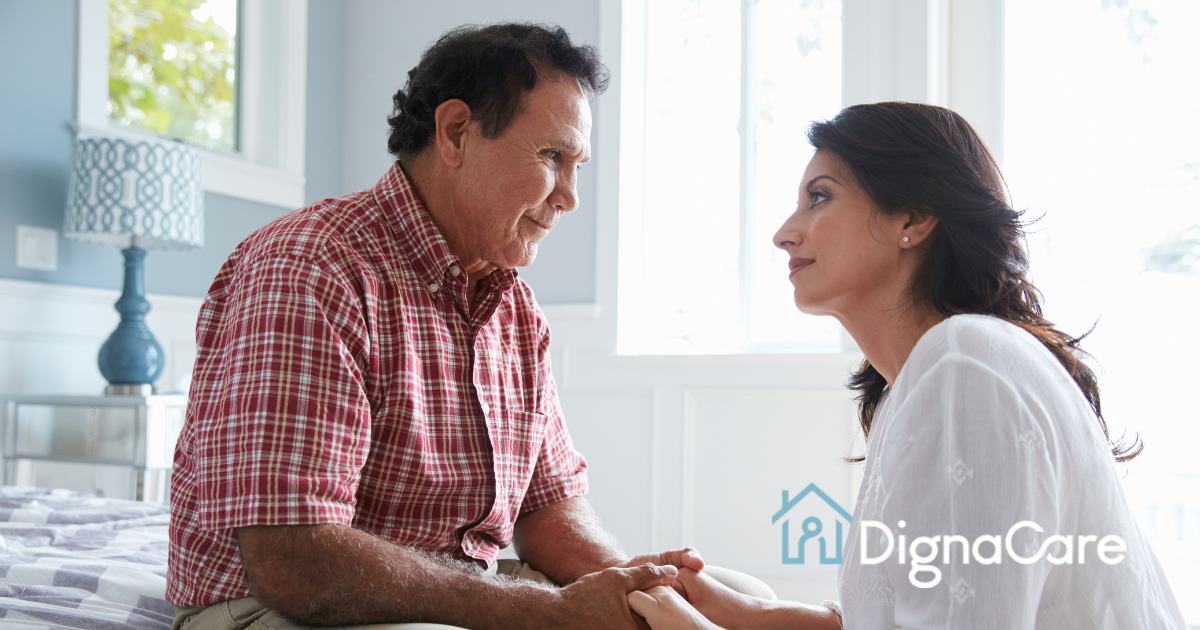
(451, 120)
(917, 227)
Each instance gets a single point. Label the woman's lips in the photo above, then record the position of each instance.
(796, 264)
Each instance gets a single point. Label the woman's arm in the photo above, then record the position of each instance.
(713, 606)
(732, 610)
(964, 460)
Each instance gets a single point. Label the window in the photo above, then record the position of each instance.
(714, 150)
(173, 68)
(1102, 140)
(258, 149)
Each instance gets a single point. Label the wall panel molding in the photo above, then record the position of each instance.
(51, 334)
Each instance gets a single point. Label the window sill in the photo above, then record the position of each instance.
(225, 173)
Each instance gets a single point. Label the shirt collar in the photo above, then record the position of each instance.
(428, 251)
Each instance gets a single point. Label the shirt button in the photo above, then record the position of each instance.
(485, 407)
(455, 271)
(433, 287)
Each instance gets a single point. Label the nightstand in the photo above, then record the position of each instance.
(137, 432)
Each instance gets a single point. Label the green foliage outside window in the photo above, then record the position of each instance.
(172, 73)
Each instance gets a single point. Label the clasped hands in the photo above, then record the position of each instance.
(682, 592)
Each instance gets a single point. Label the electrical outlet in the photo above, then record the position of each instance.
(37, 248)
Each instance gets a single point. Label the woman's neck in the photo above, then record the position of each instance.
(888, 336)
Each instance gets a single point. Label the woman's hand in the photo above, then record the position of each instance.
(717, 602)
(664, 609)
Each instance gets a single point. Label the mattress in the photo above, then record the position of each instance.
(69, 560)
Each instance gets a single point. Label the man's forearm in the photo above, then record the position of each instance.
(566, 541)
(337, 575)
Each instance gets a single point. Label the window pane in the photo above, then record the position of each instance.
(172, 68)
(1102, 136)
(690, 213)
(799, 81)
(691, 219)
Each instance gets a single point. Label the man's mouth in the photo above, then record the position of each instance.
(798, 263)
(539, 223)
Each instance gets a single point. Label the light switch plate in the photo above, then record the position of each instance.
(37, 248)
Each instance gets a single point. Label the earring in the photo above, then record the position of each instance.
(905, 239)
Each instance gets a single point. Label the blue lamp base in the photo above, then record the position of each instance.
(131, 355)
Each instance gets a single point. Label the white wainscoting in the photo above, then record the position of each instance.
(697, 450)
(50, 335)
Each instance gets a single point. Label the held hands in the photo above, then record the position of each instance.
(709, 604)
(601, 598)
(664, 609)
(598, 600)
(687, 558)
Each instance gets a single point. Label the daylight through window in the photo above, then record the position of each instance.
(1102, 142)
(173, 68)
(728, 90)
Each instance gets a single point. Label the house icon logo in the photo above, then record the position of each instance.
(812, 527)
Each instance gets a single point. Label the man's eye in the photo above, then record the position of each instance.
(551, 153)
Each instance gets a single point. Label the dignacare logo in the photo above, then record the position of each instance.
(812, 527)
(985, 549)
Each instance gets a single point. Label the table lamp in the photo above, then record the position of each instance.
(136, 195)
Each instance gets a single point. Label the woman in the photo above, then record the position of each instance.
(989, 497)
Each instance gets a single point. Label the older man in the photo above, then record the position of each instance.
(372, 415)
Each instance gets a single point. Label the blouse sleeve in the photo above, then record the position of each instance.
(964, 460)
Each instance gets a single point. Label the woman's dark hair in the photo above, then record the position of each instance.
(913, 157)
(489, 68)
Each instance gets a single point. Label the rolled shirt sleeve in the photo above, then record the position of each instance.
(293, 428)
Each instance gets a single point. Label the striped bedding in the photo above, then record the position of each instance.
(69, 560)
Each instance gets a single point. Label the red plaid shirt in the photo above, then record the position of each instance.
(338, 380)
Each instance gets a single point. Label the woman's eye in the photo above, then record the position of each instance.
(816, 198)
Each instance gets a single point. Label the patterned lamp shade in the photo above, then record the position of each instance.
(121, 189)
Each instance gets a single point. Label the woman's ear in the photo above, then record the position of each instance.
(917, 228)
(451, 119)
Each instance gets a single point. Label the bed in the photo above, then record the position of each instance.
(70, 560)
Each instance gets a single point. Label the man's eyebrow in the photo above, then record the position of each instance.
(812, 181)
(570, 148)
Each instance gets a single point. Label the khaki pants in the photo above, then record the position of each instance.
(245, 613)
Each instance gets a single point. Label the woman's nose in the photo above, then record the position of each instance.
(788, 234)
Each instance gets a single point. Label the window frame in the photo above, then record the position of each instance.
(268, 166)
(943, 52)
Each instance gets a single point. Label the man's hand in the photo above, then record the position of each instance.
(598, 600)
(687, 558)
(664, 609)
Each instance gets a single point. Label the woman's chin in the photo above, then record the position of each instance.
(807, 305)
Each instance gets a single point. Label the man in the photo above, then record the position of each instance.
(372, 415)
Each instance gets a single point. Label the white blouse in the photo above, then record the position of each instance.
(982, 431)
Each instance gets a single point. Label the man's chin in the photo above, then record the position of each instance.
(522, 258)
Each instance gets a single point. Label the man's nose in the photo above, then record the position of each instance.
(565, 197)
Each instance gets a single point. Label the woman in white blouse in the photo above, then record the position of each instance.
(990, 497)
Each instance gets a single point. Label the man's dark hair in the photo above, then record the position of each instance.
(489, 68)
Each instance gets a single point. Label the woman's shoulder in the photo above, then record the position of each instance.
(981, 352)
(996, 344)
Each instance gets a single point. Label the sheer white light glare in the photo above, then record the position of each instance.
(1102, 137)
(698, 270)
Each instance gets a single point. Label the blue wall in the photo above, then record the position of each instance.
(38, 58)
(349, 60)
